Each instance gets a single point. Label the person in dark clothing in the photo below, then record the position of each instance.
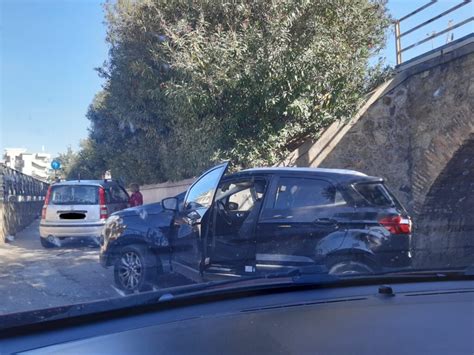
(136, 199)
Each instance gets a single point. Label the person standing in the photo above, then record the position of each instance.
(136, 199)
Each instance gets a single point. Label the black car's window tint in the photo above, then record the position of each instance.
(116, 195)
(74, 195)
(297, 193)
(299, 199)
(375, 194)
(201, 193)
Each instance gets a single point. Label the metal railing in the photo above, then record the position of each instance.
(18, 187)
(399, 34)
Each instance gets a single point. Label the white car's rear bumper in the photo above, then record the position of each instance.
(71, 229)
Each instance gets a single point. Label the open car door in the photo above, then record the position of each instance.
(231, 241)
(193, 219)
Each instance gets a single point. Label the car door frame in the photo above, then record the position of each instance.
(181, 260)
(237, 268)
(112, 204)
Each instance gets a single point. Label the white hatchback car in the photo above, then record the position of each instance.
(79, 209)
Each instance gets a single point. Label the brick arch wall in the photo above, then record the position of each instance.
(446, 219)
(441, 108)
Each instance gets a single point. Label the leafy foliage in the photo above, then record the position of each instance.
(68, 161)
(86, 164)
(191, 82)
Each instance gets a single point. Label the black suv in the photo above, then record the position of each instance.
(260, 221)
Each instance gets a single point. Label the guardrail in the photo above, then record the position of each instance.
(21, 199)
(399, 34)
(17, 187)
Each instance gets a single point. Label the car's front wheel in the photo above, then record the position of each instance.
(134, 269)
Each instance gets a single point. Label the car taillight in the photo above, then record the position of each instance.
(396, 224)
(103, 208)
(46, 202)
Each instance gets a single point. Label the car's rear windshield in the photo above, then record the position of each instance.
(375, 194)
(74, 195)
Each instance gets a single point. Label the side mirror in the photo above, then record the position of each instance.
(232, 206)
(170, 204)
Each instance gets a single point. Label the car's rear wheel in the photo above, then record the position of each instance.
(135, 269)
(349, 267)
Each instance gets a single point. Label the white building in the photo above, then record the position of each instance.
(36, 165)
(12, 157)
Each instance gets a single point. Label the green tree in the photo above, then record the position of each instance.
(68, 160)
(86, 164)
(191, 82)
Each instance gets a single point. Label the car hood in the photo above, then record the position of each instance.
(151, 208)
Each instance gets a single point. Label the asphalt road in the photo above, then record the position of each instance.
(32, 277)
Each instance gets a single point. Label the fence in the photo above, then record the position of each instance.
(399, 34)
(21, 199)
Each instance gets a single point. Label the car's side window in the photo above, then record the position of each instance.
(114, 194)
(120, 194)
(243, 199)
(298, 199)
(201, 193)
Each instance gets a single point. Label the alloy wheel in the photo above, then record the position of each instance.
(130, 270)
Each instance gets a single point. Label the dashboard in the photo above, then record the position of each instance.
(412, 318)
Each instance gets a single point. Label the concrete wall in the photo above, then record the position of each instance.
(157, 192)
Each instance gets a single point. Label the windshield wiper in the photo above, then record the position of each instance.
(310, 274)
(306, 275)
(437, 273)
(313, 275)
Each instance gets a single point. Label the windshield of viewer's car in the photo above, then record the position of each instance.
(331, 138)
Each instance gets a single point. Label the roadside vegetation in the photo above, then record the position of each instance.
(188, 83)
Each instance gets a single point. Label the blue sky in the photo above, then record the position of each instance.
(49, 49)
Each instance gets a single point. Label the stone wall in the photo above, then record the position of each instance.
(410, 134)
(446, 219)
